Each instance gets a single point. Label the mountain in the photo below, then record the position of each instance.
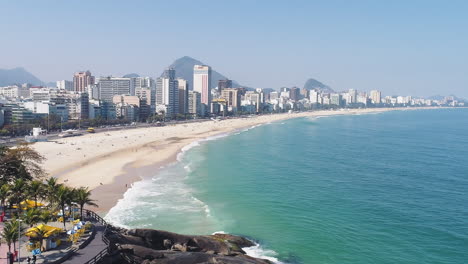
(18, 76)
(131, 75)
(314, 84)
(184, 69)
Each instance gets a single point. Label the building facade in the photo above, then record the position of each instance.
(194, 103)
(202, 83)
(167, 92)
(81, 80)
(183, 95)
(110, 86)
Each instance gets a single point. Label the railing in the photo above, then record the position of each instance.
(104, 252)
(98, 257)
(107, 251)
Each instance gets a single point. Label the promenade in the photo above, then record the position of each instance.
(87, 250)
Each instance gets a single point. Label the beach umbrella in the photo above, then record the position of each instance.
(42, 229)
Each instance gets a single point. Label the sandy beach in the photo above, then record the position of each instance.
(109, 162)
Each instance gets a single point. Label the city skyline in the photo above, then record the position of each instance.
(412, 48)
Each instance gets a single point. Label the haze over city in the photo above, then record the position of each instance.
(412, 48)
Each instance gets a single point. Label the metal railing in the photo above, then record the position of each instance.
(104, 252)
(107, 251)
(98, 257)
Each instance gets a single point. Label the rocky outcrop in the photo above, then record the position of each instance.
(155, 246)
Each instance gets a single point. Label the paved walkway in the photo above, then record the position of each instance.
(91, 250)
(3, 248)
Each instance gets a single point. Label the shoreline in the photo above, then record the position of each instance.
(109, 163)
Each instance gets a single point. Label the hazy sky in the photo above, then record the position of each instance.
(405, 47)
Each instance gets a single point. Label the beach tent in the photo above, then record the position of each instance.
(49, 230)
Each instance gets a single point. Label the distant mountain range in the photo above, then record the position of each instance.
(184, 69)
(131, 75)
(18, 76)
(312, 84)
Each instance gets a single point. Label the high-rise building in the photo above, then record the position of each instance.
(335, 99)
(304, 93)
(362, 99)
(84, 100)
(314, 97)
(295, 94)
(202, 83)
(81, 80)
(167, 92)
(353, 96)
(194, 103)
(110, 86)
(232, 97)
(183, 95)
(274, 95)
(223, 84)
(144, 94)
(65, 85)
(376, 96)
(142, 82)
(254, 99)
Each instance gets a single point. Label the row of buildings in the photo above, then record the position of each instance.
(137, 98)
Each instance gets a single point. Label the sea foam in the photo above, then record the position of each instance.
(258, 251)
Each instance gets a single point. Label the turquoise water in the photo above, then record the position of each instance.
(376, 188)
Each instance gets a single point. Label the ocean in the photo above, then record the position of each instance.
(373, 188)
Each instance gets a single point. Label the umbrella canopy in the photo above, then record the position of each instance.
(45, 229)
(28, 204)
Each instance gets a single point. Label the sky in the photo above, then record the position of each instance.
(411, 47)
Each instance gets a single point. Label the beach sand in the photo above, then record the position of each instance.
(109, 162)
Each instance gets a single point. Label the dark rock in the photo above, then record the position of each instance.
(167, 243)
(162, 247)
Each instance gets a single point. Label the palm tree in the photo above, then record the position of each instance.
(10, 233)
(62, 198)
(51, 186)
(83, 197)
(35, 189)
(32, 216)
(17, 193)
(45, 217)
(4, 193)
(38, 234)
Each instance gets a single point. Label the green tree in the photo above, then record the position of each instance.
(17, 192)
(35, 189)
(10, 233)
(32, 216)
(62, 197)
(4, 193)
(50, 188)
(38, 234)
(83, 197)
(21, 162)
(45, 217)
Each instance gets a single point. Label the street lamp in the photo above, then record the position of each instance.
(19, 239)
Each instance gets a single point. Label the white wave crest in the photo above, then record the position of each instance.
(258, 252)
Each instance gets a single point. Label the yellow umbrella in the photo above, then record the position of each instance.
(26, 204)
(47, 230)
(30, 204)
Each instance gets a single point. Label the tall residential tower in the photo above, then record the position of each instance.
(202, 83)
(81, 80)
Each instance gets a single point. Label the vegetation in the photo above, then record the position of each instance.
(30, 198)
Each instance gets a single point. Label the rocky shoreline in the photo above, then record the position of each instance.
(150, 246)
